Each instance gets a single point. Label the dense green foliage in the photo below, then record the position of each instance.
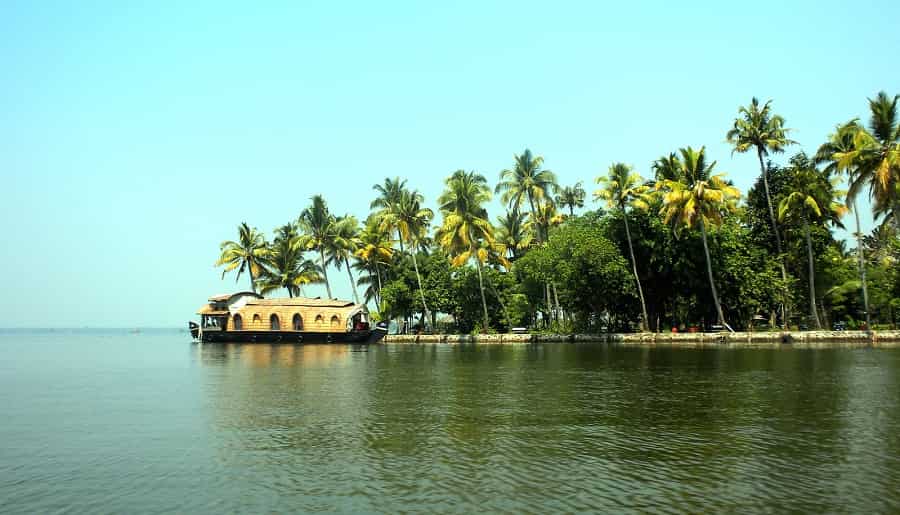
(680, 249)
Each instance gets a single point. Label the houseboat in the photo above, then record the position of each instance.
(248, 317)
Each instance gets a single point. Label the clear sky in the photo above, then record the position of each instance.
(134, 138)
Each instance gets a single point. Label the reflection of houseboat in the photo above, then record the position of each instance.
(248, 317)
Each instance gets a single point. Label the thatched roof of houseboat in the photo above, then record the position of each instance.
(225, 296)
(302, 301)
(208, 310)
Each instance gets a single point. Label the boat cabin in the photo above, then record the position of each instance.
(250, 312)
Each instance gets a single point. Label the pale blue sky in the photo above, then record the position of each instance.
(133, 139)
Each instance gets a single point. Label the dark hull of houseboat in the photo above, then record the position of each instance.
(357, 337)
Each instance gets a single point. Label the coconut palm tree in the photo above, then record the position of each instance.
(758, 128)
(344, 243)
(571, 197)
(620, 189)
(876, 155)
(811, 201)
(699, 198)
(374, 251)
(411, 221)
(466, 227)
(245, 254)
(511, 232)
(841, 142)
(389, 194)
(317, 230)
(527, 181)
(285, 266)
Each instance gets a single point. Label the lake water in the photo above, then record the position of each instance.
(107, 421)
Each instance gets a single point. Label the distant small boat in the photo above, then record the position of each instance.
(248, 317)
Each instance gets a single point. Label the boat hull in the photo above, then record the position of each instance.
(358, 337)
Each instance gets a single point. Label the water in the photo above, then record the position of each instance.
(117, 422)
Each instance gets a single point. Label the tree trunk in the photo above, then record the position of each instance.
(325, 271)
(862, 269)
(487, 320)
(252, 281)
(502, 304)
(557, 311)
(812, 277)
(540, 240)
(419, 279)
(378, 293)
(645, 321)
(352, 282)
(712, 283)
(781, 258)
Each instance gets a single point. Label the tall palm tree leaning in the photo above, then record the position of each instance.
(317, 230)
(411, 221)
(343, 244)
(571, 197)
(876, 156)
(245, 254)
(759, 129)
(811, 200)
(285, 266)
(528, 181)
(697, 198)
(466, 227)
(841, 142)
(620, 189)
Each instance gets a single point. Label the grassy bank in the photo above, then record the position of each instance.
(740, 339)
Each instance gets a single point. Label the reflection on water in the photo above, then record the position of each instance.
(161, 425)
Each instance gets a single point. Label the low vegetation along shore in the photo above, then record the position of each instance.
(669, 244)
(736, 339)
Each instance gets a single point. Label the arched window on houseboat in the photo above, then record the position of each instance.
(335, 323)
(320, 319)
(237, 322)
(297, 322)
(274, 323)
(256, 320)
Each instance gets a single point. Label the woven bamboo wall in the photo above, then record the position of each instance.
(315, 319)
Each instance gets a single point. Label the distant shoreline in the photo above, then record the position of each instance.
(740, 339)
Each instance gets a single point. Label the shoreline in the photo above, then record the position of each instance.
(800, 339)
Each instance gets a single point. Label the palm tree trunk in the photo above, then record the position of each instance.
(378, 293)
(352, 282)
(645, 322)
(502, 304)
(712, 283)
(252, 280)
(419, 279)
(559, 312)
(325, 271)
(862, 268)
(781, 260)
(812, 277)
(540, 240)
(487, 320)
